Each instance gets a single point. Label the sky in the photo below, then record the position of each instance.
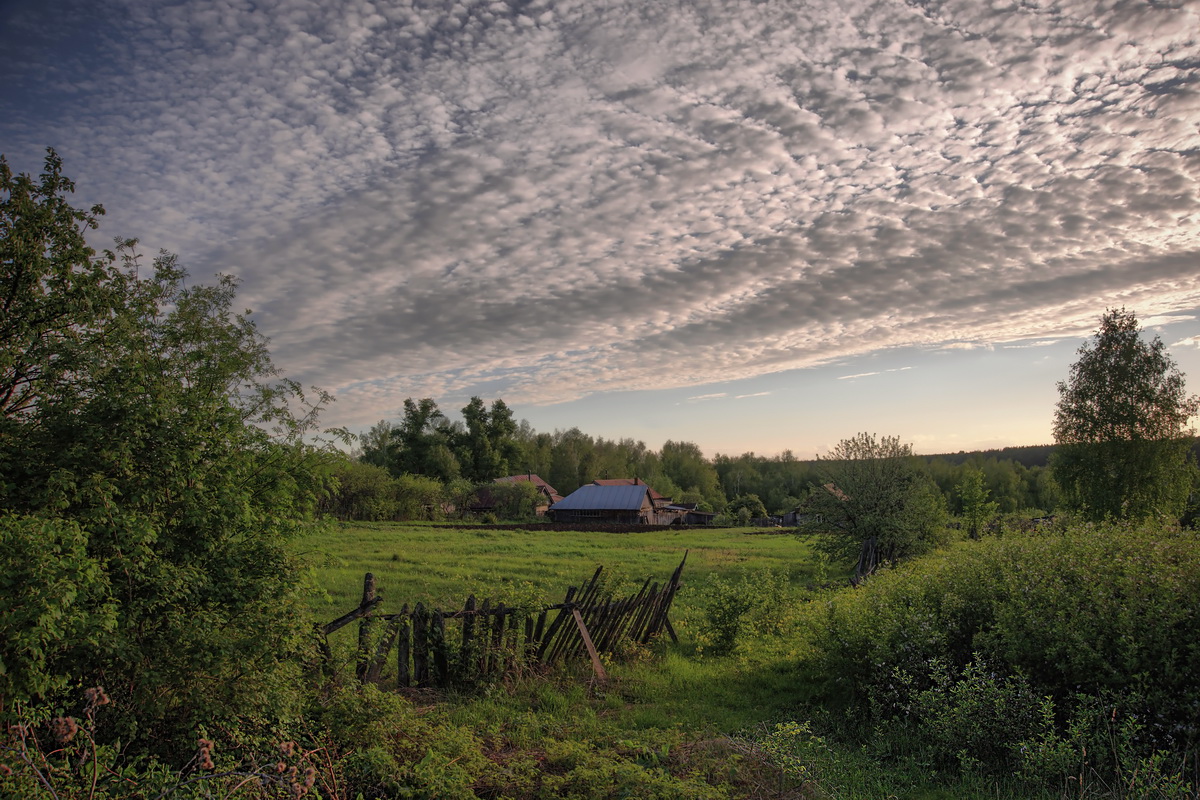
(753, 225)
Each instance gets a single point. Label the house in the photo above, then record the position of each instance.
(548, 495)
(624, 505)
(623, 501)
(484, 500)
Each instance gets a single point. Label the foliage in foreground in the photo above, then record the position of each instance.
(1047, 656)
(549, 742)
(152, 469)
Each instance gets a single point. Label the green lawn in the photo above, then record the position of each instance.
(441, 566)
(696, 716)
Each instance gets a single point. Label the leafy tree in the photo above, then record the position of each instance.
(420, 497)
(750, 502)
(55, 294)
(159, 464)
(686, 465)
(977, 509)
(514, 500)
(1121, 424)
(477, 456)
(875, 503)
(377, 446)
(569, 452)
(424, 441)
(488, 447)
(502, 431)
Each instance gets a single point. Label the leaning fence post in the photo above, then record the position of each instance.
(421, 645)
(364, 627)
(437, 643)
(591, 648)
(466, 654)
(403, 648)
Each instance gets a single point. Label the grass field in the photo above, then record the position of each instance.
(675, 713)
(442, 565)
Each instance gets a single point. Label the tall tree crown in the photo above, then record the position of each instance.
(1121, 426)
(1122, 388)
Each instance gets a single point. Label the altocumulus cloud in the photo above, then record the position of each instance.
(542, 200)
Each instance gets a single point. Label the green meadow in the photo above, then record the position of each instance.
(442, 565)
(763, 718)
(694, 724)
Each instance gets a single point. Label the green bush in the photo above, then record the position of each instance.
(363, 492)
(963, 649)
(732, 609)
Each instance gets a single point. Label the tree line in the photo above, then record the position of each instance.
(427, 461)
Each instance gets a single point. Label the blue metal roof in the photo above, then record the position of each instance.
(602, 498)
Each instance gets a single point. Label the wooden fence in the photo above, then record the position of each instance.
(494, 640)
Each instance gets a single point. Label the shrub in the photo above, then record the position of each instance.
(962, 643)
(732, 608)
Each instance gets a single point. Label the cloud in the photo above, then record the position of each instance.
(755, 394)
(870, 374)
(556, 199)
(1162, 320)
(1191, 341)
(1029, 345)
(967, 346)
(702, 397)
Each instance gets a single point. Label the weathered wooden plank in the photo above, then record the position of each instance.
(421, 645)
(548, 641)
(369, 600)
(643, 615)
(468, 666)
(403, 648)
(631, 611)
(538, 630)
(495, 645)
(441, 654)
(481, 638)
(375, 670)
(348, 617)
(670, 630)
(589, 590)
(591, 648)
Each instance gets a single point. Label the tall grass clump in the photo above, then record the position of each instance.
(1066, 657)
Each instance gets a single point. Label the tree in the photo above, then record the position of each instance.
(751, 503)
(874, 503)
(424, 442)
(477, 457)
(488, 446)
(377, 447)
(54, 292)
(977, 509)
(1121, 426)
(686, 465)
(161, 464)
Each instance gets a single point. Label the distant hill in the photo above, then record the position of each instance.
(1029, 456)
(1037, 455)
